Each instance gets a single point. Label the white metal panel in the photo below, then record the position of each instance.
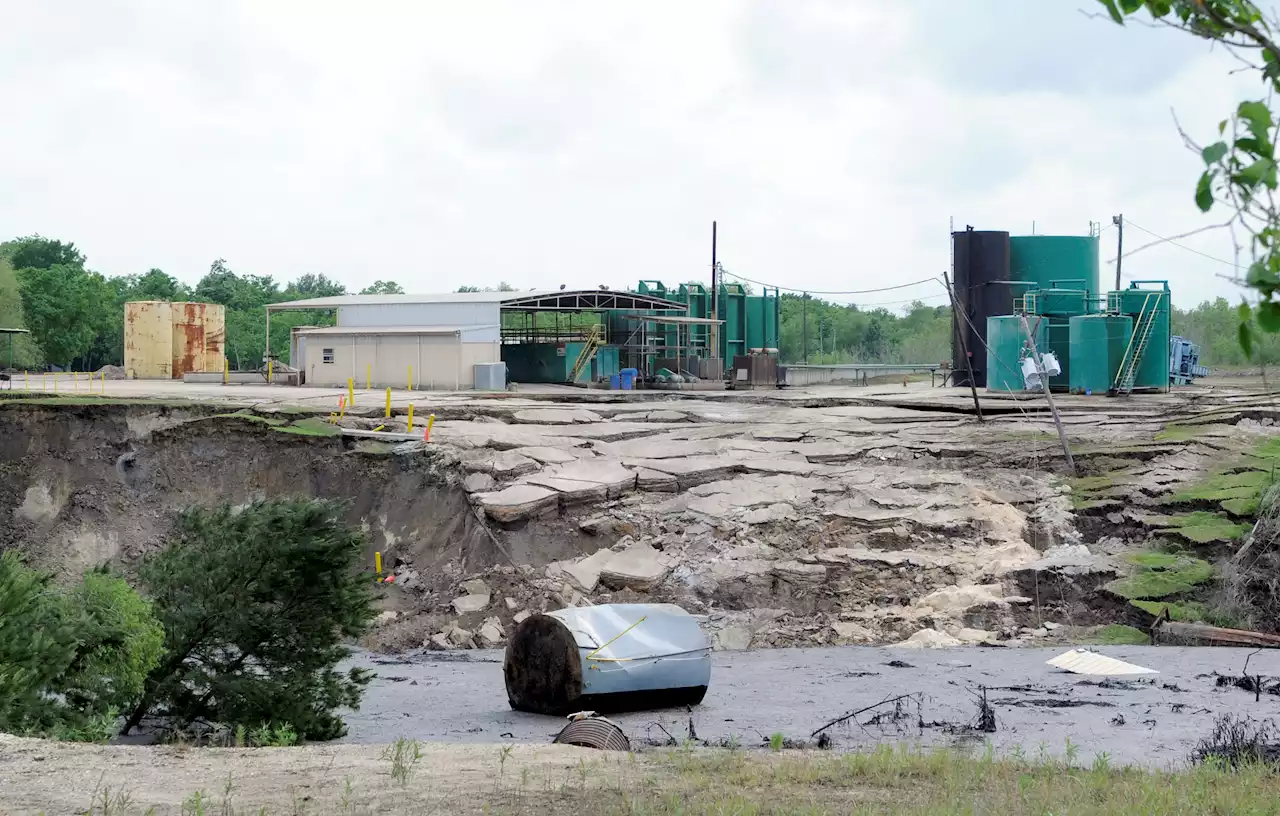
(1084, 661)
(419, 314)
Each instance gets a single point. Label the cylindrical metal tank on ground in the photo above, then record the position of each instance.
(1050, 261)
(982, 290)
(1153, 368)
(199, 334)
(148, 340)
(1098, 343)
(1007, 345)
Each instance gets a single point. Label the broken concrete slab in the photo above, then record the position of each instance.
(478, 483)
(476, 586)
(571, 491)
(608, 473)
(490, 633)
(509, 464)
(639, 567)
(517, 502)
(928, 639)
(848, 632)
(731, 638)
(655, 481)
(470, 603)
(555, 416)
(585, 573)
(767, 515)
(665, 416)
(547, 455)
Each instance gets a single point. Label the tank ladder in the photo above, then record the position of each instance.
(595, 335)
(1138, 342)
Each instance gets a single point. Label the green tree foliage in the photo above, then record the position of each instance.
(257, 603)
(314, 286)
(119, 643)
(69, 659)
(1240, 174)
(36, 647)
(381, 287)
(26, 353)
(36, 252)
(63, 308)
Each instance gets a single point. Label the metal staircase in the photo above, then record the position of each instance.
(595, 336)
(1138, 342)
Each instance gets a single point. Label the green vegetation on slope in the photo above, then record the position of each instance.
(1158, 575)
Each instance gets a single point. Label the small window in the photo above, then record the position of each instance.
(326, 355)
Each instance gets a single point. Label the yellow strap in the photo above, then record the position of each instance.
(620, 634)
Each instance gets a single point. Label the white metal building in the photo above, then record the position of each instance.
(426, 341)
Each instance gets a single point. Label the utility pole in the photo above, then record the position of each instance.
(961, 331)
(804, 320)
(1118, 220)
(715, 291)
(1048, 395)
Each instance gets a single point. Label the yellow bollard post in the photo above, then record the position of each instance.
(342, 407)
(388, 402)
(410, 378)
(269, 362)
(377, 562)
(431, 420)
(368, 376)
(411, 417)
(351, 391)
(226, 371)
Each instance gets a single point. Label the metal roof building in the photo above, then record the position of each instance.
(429, 341)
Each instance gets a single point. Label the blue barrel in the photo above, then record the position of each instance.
(615, 382)
(628, 377)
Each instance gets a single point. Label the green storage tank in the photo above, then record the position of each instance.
(1007, 345)
(1059, 302)
(1050, 261)
(1098, 344)
(1147, 297)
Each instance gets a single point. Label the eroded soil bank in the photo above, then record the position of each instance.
(783, 522)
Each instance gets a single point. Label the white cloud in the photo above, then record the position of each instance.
(577, 142)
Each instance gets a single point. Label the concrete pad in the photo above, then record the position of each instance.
(555, 416)
(547, 455)
(766, 515)
(517, 502)
(665, 416)
(639, 567)
(778, 434)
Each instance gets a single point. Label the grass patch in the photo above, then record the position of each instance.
(311, 426)
(1117, 634)
(1242, 507)
(1177, 433)
(1159, 575)
(1206, 528)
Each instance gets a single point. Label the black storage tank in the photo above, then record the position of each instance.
(982, 289)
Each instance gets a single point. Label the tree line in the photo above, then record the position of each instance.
(76, 316)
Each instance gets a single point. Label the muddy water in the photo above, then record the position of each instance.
(460, 697)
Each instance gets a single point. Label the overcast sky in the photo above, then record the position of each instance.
(579, 143)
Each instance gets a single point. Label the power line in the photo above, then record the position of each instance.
(817, 292)
(1173, 241)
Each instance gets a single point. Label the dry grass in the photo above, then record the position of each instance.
(492, 779)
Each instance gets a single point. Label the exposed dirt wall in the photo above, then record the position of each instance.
(82, 485)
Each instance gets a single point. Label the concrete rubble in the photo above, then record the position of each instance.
(780, 526)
